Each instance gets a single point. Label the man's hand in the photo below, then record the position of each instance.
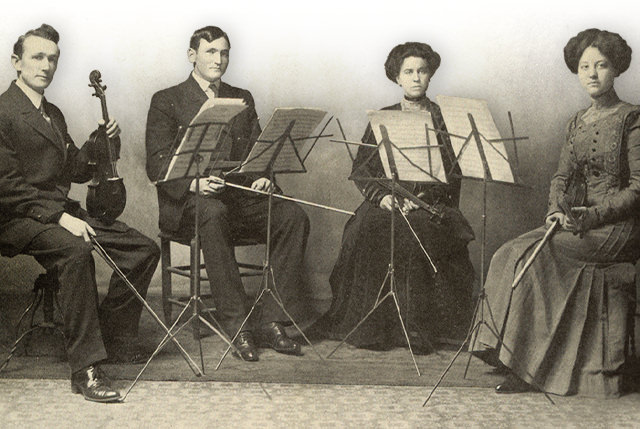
(76, 226)
(262, 184)
(113, 129)
(209, 185)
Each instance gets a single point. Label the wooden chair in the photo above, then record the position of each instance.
(168, 299)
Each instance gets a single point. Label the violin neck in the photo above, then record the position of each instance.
(105, 112)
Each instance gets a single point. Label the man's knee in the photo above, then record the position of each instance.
(77, 252)
(213, 213)
(152, 250)
(293, 216)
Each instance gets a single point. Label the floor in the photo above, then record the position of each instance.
(50, 403)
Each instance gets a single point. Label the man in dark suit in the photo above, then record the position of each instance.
(38, 163)
(225, 213)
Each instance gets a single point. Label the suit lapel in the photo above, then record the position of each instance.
(195, 95)
(32, 117)
(224, 91)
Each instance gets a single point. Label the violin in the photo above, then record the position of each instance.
(575, 196)
(437, 214)
(107, 195)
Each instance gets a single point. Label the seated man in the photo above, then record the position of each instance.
(38, 162)
(226, 214)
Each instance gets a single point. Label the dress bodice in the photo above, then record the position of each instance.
(604, 151)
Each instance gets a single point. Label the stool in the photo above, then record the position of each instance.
(167, 270)
(45, 291)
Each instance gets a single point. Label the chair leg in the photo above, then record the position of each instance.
(165, 247)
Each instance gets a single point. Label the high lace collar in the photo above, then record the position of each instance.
(414, 104)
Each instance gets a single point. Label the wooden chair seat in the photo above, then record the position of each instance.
(168, 299)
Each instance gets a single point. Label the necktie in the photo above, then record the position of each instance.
(55, 129)
(213, 90)
(44, 113)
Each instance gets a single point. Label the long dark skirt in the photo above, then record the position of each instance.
(432, 306)
(564, 327)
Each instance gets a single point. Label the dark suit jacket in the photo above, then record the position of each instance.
(36, 169)
(173, 108)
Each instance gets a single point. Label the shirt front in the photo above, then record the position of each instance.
(205, 85)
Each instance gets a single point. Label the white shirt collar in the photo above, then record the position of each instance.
(203, 83)
(33, 95)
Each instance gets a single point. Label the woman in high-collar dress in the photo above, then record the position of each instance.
(564, 327)
(433, 307)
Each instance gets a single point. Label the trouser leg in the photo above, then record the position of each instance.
(70, 256)
(137, 257)
(220, 262)
(289, 233)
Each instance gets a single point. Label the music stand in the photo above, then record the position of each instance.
(168, 331)
(276, 151)
(203, 138)
(490, 165)
(402, 124)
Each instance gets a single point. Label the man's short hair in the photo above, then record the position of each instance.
(209, 33)
(45, 31)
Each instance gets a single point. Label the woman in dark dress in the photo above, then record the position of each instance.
(564, 328)
(433, 307)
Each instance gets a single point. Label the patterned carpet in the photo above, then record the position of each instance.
(49, 403)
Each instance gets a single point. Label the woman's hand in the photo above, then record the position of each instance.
(562, 219)
(587, 218)
(408, 206)
(386, 203)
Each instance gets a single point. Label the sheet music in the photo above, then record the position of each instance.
(288, 160)
(415, 161)
(306, 121)
(226, 109)
(455, 110)
(206, 131)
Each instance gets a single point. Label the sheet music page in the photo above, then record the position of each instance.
(226, 109)
(209, 125)
(455, 110)
(306, 121)
(408, 132)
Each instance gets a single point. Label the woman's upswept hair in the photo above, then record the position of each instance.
(611, 45)
(410, 49)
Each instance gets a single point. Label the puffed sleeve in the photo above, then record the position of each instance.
(624, 202)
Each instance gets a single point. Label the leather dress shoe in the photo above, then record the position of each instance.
(273, 335)
(246, 347)
(94, 385)
(513, 384)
